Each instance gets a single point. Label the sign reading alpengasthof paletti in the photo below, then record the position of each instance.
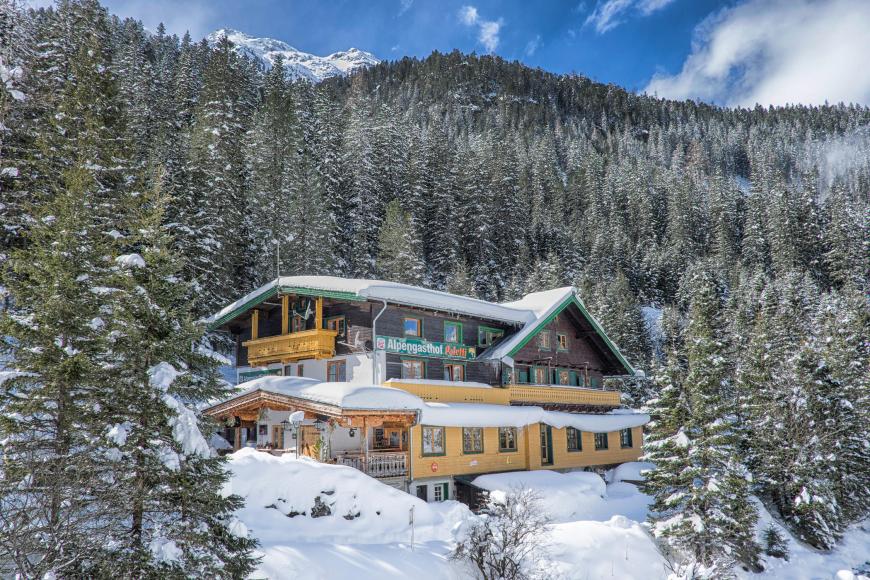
(420, 347)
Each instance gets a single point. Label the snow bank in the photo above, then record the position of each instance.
(806, 563)
(562, 495)
(630, 471)
(575, 495)
(288, 500)
(616, 548)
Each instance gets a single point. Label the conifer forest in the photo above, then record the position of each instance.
(148, 180)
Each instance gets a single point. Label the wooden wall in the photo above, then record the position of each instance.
(581, 349)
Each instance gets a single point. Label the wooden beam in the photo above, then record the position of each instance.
(318, 313)
(285, 314)
(255, 324)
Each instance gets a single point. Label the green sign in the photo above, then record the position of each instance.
(420, 347)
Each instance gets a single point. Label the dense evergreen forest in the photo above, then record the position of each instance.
(747, 228)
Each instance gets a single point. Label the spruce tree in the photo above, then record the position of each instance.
(172, 518)
(54, 475)
(399, 248)
(701, 507)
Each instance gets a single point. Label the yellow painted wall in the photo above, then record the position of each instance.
(564, 459)
(455, 462)
(528, 455)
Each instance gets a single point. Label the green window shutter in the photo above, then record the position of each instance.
(573, 378)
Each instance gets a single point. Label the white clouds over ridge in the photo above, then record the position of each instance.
(487, 30)
(777, 52)
(611, 13)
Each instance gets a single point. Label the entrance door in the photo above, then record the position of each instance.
(440, 491)
(546, 445)
(423, 492)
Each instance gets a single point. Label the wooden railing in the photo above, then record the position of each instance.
(563, 394)
(314, 343)
(377, 464)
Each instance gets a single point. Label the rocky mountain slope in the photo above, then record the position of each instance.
(299, 64)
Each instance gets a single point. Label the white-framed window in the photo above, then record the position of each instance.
(433, 440)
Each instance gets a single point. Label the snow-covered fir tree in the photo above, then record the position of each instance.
(170, 516)
(701, 508)
(399, 248)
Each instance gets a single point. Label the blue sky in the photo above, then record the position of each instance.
(733, 52)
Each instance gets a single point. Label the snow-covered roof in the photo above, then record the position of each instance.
(363, 289)
(543, 304)
(362, 397)
(347, 396)
(532, 311)
(487, 415)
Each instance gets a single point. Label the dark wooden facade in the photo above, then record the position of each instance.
(586, 356)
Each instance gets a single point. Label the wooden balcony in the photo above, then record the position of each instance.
(561, 395)
(377, 464)
(314, 343)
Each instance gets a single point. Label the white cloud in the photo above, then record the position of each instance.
(405, 5)
(468, 15)
(487, 30)
(533, 45)
(611, 13)
(775, 53)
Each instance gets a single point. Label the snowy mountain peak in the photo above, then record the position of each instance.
(298, 64)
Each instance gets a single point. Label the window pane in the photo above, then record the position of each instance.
(412, 369)
(412, 327)
(544, 340)
(507, 438)
(433, 440)
(451, 332)
(625, 436)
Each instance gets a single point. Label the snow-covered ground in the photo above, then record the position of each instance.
(805, 563)
(318, 521)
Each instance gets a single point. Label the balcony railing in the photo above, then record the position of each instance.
(556, 394)
(377, 464)
(315, 343)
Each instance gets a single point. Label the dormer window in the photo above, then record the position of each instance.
(487, 336)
